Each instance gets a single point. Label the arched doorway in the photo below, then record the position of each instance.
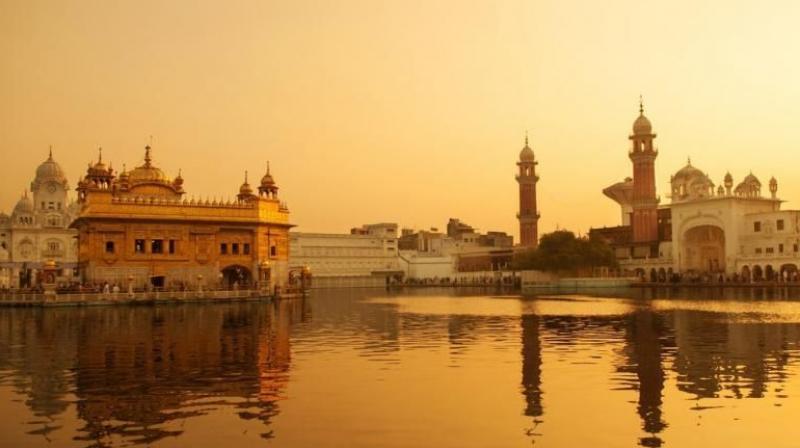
(746, 275)
(769, 273)
(758, 273)
(236, 276)
(662, 275)
(704, 249)
(789, 272)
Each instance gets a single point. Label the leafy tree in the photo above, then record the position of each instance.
(562, 251)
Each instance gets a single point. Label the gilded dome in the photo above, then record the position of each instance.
(147, 172)
(178, 181)
(267, 180)
(245, 189)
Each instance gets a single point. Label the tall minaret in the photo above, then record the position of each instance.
(528, 213)
(645, 203)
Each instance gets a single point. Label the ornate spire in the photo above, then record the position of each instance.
(267, 166)
(50, 156)
(526, 137)
(147, 158)
(641, 105)
(100, 155)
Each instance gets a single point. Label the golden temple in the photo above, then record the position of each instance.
(137, 228)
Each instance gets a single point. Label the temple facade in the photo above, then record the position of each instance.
(137, 227)
(37, 231)
(732, 229)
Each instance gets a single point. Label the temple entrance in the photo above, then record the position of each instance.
(704, 249)
(236, 276)
(157, 281)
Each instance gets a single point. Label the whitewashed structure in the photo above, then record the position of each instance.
(37, 230)
(733, 230)
(366, 257)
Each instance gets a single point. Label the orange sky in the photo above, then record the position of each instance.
(407, 111)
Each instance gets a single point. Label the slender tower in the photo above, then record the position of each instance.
(528, 213)
(645, 203)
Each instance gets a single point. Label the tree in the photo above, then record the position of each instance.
(562, 251)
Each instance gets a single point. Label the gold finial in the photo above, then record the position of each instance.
(641, 105)
(245, 176)
(50, 157)
(526, 137)
(147, 158)
(267, 166)
(100, 155)
(689, 160)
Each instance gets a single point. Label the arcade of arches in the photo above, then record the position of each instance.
(756, 273)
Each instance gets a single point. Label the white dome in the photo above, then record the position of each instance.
(24, 205)
(49, 171)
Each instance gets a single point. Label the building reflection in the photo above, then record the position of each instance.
(716, 358)
(36, 353)
(645, 338)
(139, 371)
(531, 366)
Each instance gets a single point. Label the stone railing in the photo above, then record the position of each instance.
(183, 202)
(12, 298)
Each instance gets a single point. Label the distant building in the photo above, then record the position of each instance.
(138, 226)
(367, 257)
(462, 249)
(38, 230)
(705, 229)
(528, 215)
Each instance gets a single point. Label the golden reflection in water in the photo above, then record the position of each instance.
(567, 305)
(363, 368)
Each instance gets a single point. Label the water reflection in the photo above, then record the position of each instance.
(132, 372)
(634, 367)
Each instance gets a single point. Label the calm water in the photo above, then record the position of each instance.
(430, 368)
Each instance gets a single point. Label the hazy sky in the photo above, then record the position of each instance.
(407, 111)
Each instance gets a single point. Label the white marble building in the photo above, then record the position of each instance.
(725, 229)
(366, 256)
(38, 230)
